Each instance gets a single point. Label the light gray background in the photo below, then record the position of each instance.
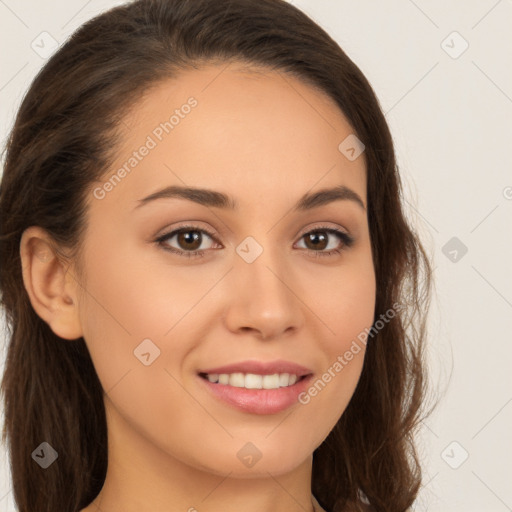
(451, 118)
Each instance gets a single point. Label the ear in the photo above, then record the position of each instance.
(51, 287)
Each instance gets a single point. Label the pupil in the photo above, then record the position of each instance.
(315, 239)
(189, 238)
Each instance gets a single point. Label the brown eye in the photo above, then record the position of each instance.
(190, 241)
(316, 240)
(320, 239)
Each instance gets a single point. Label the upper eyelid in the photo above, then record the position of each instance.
(335, 231)
(214, 234)
(172, 232)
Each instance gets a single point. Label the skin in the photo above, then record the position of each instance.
(266, 139)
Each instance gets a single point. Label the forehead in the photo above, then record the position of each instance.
(251, 132)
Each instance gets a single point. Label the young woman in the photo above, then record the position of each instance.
(215, 301)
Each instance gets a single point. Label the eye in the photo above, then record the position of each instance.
(189, 240)
(322, 238)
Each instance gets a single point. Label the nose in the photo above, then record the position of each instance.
(262, 299)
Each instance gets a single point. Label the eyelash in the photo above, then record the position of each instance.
(344, 237)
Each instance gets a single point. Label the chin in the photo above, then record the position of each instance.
(275, 462)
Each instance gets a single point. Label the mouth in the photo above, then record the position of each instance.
(253, 380)
(254, 393)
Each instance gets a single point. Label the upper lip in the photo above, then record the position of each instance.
(261, 368)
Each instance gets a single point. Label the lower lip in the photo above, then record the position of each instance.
(259, 401)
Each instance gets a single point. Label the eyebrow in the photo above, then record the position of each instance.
(215, 199)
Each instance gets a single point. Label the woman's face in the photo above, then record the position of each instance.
(253, 281)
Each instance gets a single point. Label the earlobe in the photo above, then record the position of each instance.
(50, 286)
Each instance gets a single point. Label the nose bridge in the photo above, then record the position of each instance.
(261, 264)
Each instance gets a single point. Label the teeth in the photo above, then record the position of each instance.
(237, 380)
(270, 381)
(254, 381)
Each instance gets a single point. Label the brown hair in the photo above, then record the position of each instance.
(63, 139)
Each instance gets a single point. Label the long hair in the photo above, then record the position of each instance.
(63, 140)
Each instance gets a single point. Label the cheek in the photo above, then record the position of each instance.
(346, 305)
(131, 296)
(131, 310)
(127, 292)
(345, 300)
(120, 310)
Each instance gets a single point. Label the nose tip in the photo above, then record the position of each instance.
(267, 332)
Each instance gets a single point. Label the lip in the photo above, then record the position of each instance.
(258, 401)
(261, 368)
